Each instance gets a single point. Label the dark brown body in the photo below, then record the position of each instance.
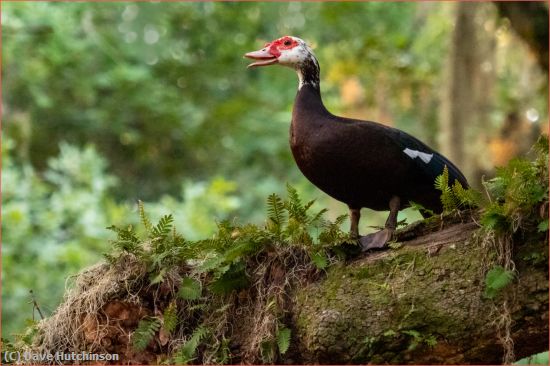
(361, 163)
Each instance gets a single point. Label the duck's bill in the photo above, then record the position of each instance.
(263, 56)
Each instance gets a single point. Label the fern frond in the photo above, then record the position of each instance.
(126, 241)
(496, 279)
(448, 200)
(144, 333)
(318, 216)
(157, 277)
(190, 289)
(466, 197)
(340, 219)
(319, 259)
(128, 246)
(162, 229)
(234, 278)
(276, 211)
(111, 259)
(241, 249)
(541, 146)
(283, 340)
(125, 234)
(308, 205)
(293, 196)
(186, 353)
(442, 180)
(423, 210)
(223, 354)
(295, 206)
(331, 233)
(268, 351)
(170, 317)
(144, 218)
(297, 234)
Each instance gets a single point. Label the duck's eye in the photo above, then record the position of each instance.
(287, 42)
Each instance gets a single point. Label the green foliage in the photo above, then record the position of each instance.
(126, 241)
(453, 195)
(53, 225)
(416, 337)
(162, 249)
(276, 215)
(537, 359)
(535, 258)
(268, 351)
(103, 99)
(518, 192)
(283, 339)
(21, 341)
(218, 266)
(272, 348)
(515, 195)
(145, 332)
(448, 200)
(423, 210)
(136, 88)
(190, 289)
(170, 317)
(496, 279)
(143, 217)
(186, 353)
(289, 222)
(332, 234)
(543, 225)
(430, 341)
(495, 218)
(223, 355)
(319, 259)
(234, 278)
(163, 228)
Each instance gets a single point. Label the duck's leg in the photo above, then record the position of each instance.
(379, 239)
(354, 215)
(391, 222)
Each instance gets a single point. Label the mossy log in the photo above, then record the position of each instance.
(424, 302)
(420, 302)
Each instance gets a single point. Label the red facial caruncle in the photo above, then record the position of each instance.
(271, 51)
(281, 44)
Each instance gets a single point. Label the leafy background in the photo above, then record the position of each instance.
(108, 103)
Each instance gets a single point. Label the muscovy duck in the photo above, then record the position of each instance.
(360, 163)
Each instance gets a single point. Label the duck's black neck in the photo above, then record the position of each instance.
(308, 72)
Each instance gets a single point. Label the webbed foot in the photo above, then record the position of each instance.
(377, 240)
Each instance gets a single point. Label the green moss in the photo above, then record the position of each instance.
(403, 291)
(363, 273)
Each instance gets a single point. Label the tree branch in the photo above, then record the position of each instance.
(424, 303)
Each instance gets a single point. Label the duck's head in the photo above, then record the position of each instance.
(287, 51)
(292, 52)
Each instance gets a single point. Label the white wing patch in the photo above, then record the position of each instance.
(426, 158)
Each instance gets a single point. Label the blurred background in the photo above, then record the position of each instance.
(107, 103)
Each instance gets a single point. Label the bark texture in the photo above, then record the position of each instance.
(458, 102)
(423, 303)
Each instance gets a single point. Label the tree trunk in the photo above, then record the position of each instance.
(530, 21)
(458, 99)
(425, 304)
